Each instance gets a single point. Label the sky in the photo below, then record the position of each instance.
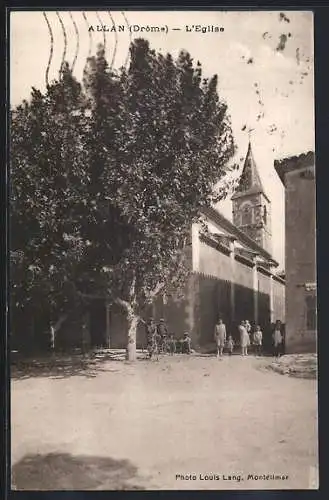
(264, 62)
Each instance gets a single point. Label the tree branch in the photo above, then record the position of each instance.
(60, 321)
(123, 303)
(91, 296)
(132, 288)
(156, 290)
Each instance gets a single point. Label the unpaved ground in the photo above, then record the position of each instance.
(297, 365)
(136, 426)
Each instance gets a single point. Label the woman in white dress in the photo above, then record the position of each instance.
(244, 338)
(277, 339)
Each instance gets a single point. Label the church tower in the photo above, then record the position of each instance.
(251, 206)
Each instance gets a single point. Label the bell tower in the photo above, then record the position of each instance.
(251, 206)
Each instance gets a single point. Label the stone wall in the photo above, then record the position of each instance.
(279, 290)
(264, 301)
(243, 275)
(300, 258)
(214, 263)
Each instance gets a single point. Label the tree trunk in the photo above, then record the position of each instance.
(108, 332)
(54, 329)
(85, 333)
(52, 338)
(133, 319)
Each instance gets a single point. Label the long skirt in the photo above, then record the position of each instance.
(245, 341)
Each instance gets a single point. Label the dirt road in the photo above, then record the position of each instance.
(180, 423)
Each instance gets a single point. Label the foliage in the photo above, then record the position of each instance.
(106, 179)
(48, 189)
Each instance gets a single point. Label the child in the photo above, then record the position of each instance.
(230, 345)
(220, 336)
(258, 340)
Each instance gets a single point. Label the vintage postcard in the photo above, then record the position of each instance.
(163, 331)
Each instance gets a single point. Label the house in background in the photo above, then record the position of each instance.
(298, 176)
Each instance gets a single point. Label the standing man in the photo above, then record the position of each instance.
(186, 343)
(151, 337)
(220, 336)
(283, 344)
(162, 331)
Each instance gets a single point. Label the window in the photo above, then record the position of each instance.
(246, 214)
(311, 312)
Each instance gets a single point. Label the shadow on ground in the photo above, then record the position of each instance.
(62, 471)
(296, 365)
(63, 366)
(89, 365)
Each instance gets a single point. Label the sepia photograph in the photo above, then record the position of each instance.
(162, 248)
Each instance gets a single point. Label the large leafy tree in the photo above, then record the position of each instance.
(49, 196)
(166, 140)
(146, 147)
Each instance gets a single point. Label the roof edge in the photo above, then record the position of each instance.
(216, 216)
(251, 191)
(291, 163)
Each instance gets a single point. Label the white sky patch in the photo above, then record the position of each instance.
(283, 78)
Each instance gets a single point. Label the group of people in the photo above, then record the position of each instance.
(247, 338)
(159, 340)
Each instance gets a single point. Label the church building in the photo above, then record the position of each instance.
(233, 277)
(233, 272)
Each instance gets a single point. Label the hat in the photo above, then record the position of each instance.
(161, 320)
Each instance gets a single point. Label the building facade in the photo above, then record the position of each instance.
(233, 278)
(298, 176)
(233, 274)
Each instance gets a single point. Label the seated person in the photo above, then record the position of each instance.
(186, 343)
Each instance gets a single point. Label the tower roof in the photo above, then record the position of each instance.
(250, 182)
